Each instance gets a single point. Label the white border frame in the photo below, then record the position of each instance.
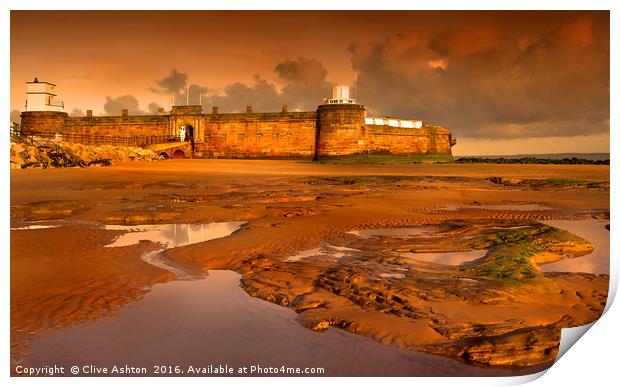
(592, 361)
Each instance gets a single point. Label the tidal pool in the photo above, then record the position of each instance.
(392, 275)
(212, 321)
(592, 230)
(171, 236)
(35, 227)
(454, 258)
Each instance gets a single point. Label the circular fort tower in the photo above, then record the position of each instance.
(44, 112)
(340, 125)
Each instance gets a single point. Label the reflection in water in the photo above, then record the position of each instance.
(34, 227)
(171, 236)
(593, 231)
(392, 275)
(447, 258)
(213, 321)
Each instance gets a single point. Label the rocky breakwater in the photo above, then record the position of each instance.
(46, 153)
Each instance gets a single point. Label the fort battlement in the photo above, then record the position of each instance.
(339, 127)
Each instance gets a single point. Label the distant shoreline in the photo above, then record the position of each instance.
(556, 158)
(550, 156)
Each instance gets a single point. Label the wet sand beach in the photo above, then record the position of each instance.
(460, 269)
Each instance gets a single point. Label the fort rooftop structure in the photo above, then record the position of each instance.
(339, 127)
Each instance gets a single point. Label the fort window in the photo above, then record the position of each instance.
(223, 136)
(259, 134)
(240, 136)
(274, 134)
(290, 134)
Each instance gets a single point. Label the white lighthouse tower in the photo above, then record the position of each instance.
(41, 97)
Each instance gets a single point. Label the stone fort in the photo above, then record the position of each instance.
(339, 127)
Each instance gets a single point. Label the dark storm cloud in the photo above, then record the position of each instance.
(481, 81)
(153, 107)
(196, 95)
(114, 106)
(260, 94)
(301, 84)
(175, 82)
(304, 82)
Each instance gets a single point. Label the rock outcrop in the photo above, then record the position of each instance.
(45, 153)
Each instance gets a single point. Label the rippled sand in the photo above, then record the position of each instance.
(65, 276)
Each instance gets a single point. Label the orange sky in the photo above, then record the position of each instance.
(94, 54)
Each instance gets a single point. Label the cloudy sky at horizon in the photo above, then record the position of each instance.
(503, 82)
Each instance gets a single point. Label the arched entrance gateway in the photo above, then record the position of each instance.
(185, 126)
(189, 132)
(186, 133)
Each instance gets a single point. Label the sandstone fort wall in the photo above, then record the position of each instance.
(383, 139)
(330, 131)
(250, 135)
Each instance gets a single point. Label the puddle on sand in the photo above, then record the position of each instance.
(328, 250)
(453, 258)
(213, 321)
(171, 236)
(592, 230)
(404, 232)
(34, 227)
(392, 275)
